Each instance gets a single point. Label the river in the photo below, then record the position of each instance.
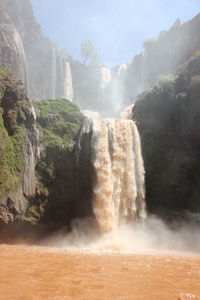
(30, 272)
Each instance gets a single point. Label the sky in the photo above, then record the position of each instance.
(117, 28)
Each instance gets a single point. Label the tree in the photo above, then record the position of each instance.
(89, 53)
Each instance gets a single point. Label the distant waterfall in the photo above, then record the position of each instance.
(31, 156)
(67, 83)
(121, 69)
(14, 57)
(53, 95)
(22, 56)
(118, 193)
(29, 170)
(106, 77)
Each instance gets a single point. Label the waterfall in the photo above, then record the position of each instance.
(21, 55)
(106, 77)
(31, 156)
(128, 112)
(54, 74)
(29, 170)
(118, 192)
(121, 69)
(14, 57)
(67, 83)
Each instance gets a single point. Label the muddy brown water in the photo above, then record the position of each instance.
(29, 272)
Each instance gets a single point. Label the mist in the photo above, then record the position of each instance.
(147, 236)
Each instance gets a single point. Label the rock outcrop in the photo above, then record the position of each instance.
(58, 121)
(160, 57)
(32, 57)
(17, 181)
(37, 171)
(12, 53)
(168, 121)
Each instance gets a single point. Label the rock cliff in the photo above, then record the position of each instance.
(36, 157)
(18, 149)
(45, 67)
(12, 53)
(168, 120)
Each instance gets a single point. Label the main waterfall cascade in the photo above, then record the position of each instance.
(118, 193)
(67, 83)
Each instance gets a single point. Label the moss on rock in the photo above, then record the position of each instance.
(12, 132)
(59, 121)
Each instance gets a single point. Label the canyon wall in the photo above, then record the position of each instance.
(47, 73)
(12, 53)
(168, 121)
(36, 157)
(19, 152)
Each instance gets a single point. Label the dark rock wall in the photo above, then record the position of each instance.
(37, 162)
(55, 202)
(168, 119)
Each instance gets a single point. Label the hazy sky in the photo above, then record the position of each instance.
(116, 27)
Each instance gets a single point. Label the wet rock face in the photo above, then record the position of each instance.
(168, 122)
(84, 170)
(27, 52)
(18, 149)
(11, 48)
(54, 204)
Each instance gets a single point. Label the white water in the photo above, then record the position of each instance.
(118, 194)
(33, 112)
(19, 48)
(90, 113)
(12, 37)
(67, 83)
(29, 170)
(121, 69)
(128, 112)
(106, 77)
(53, 74)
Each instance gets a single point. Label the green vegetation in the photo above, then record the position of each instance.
(59, 121)
(168, 78)
(11, 157)
(12, 133)
(7, 78)
(5, 72)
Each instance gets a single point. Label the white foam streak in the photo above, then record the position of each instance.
(68, 84)
(121, 69)
(106, 77)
